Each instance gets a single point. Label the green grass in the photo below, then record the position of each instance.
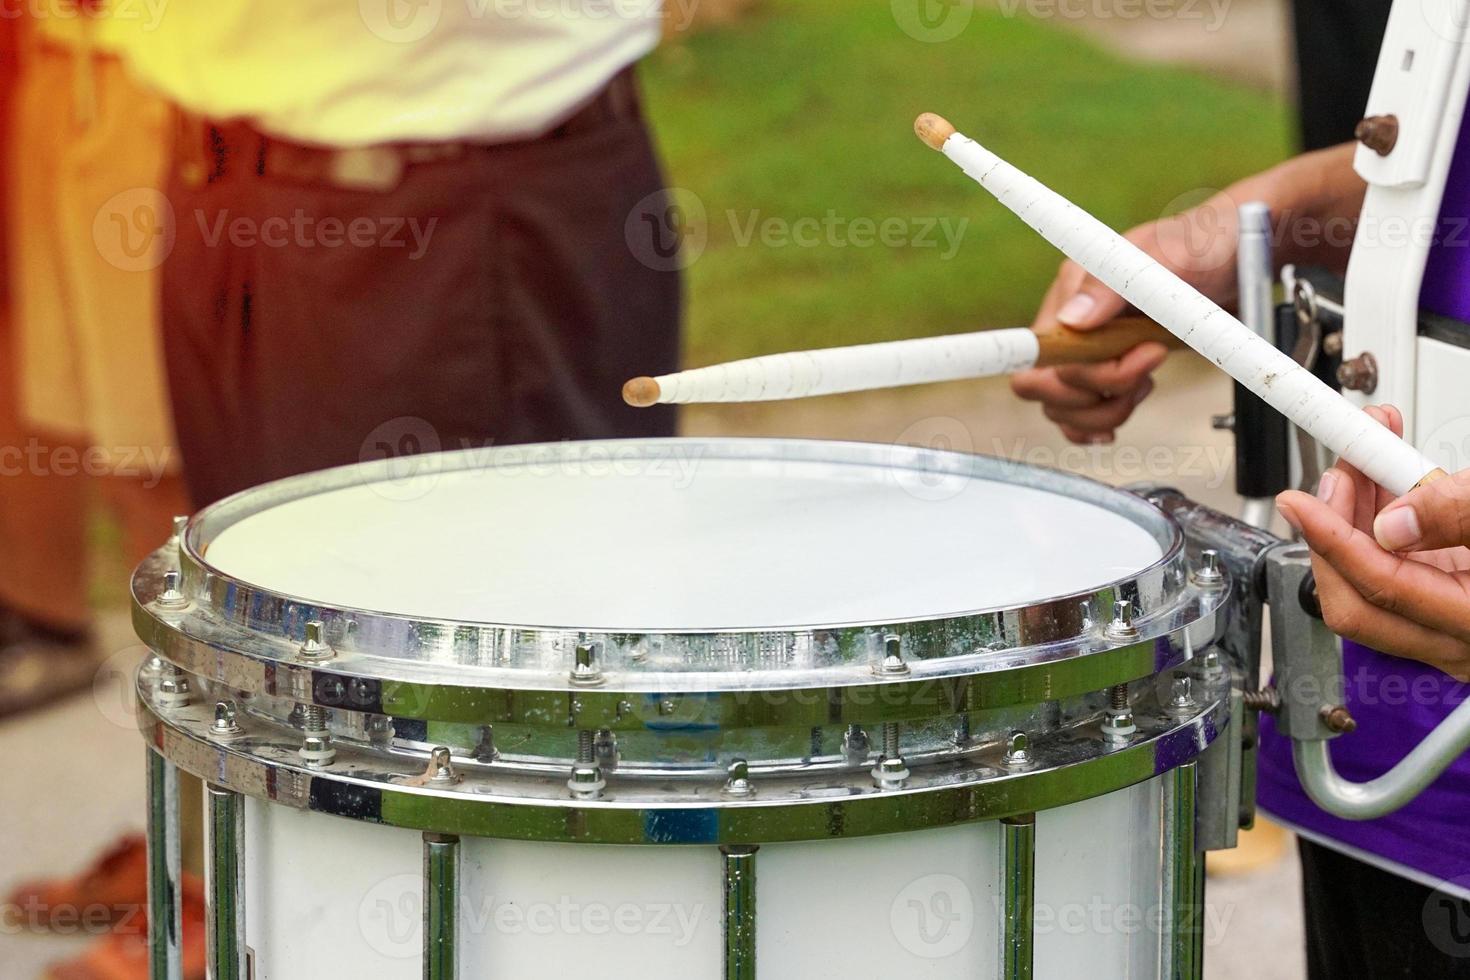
(806, 107)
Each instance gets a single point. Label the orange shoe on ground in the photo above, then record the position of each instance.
(123, 954)
(112, 892)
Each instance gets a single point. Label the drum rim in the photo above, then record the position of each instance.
(853, 810)
(222, 611)
(225, 513)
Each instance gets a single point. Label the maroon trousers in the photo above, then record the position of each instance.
(499, 295)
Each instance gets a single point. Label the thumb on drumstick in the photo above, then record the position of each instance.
(1084, 301)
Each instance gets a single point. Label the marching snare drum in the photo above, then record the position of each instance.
(684, 709)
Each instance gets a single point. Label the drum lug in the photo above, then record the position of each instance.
(855, 745)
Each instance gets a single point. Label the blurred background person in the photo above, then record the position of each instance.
(401, 233)
(86, 416)
(90, 413)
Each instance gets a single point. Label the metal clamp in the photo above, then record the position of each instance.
(1309, 687)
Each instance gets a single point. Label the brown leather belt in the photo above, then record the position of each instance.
(207, 151)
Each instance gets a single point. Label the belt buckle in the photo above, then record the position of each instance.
(367, 168)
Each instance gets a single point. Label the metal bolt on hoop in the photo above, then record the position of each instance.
(317, 750)
(226, 724)
(738, 782)
(172, 596)
(891, 771)
(1018, 756)
(1122, 627)
(892, 665)
(586, 672)
(1118, 724)
(315, 646)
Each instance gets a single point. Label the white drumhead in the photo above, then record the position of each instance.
(682, 544)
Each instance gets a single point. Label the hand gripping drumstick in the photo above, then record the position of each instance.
(1241, 353)
(803, 374)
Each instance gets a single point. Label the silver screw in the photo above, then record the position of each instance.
(892, 665)
(1181, 693)
(317, 750)
(605, 748)
(1208, 574)
(1122, 626)
(315, 647)
(586, 673)
(1018, 752)
(1118, 722)
(173, 687)
(737, 782)
(225, 722)
(172, 596)
(441, 767)
(891, 771)
(586, 782)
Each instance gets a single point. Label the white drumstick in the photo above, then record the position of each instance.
(894, 364)
(1277, 379)
(805, 374)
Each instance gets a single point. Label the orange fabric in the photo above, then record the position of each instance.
(79, 341)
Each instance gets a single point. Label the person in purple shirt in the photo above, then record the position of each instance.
(1387, 897)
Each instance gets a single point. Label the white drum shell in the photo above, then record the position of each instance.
(331, 897)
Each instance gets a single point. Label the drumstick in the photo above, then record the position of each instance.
(893, 364)
(1240, 352)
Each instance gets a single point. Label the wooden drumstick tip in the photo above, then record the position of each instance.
(1436, 474)
(641, 392)
(934, 130)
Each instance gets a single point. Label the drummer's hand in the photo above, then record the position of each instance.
(1392, 574)
(1089, 401)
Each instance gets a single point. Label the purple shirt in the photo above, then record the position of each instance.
(1396, 702)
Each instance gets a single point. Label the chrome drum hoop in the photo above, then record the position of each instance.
(381, 785)
(249, 638)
